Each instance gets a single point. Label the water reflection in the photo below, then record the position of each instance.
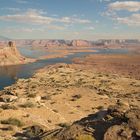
(10, 71)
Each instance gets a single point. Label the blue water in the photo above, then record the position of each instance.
(29, 51)
(9, 74)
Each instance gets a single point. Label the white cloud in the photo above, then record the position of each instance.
(132, 6)
(91, 28)
(133, 20)
(28, 17)
(34, 16)
(73, 20)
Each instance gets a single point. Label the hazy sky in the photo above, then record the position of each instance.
(70, 19)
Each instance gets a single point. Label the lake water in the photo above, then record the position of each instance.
(29, 51)
(9, 74)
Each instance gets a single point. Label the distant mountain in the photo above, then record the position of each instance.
(48, 43)
(3, 38)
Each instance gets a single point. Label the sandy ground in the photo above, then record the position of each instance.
(128, 65)
(61, 94)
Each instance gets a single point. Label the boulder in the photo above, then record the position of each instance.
(8, 98)
(133, 116)
(118, 132)
(119, 109)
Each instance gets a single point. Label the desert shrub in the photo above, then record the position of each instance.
(33, 131)
(12, 121)
(32, 95)
(46, 98)
(49, 138)
(100, 107)
(8, 128)
(78, 96)
(100, 75)
(84, 137)
(63, 125)
(27, 105)
(59, 89)
(34, 85)
(7, 106)
(20, 138)
(56, 111)
(75, 97)
(78, 84)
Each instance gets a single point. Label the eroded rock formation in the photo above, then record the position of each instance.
(81, 43)
(114, 124)
(9, 55)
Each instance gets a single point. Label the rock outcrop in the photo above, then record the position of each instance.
(9, 55)
(123, 126)
(81, 43)
(71, 103)
(52, 43)
(61, 43)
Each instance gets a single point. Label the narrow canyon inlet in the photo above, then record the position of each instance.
(69, 70)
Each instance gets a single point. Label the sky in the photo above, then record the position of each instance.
(70, 19)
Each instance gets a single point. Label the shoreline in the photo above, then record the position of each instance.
(64, 53)
(61, 54)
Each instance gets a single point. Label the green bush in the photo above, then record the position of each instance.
(7, 106)
(12, 121)
(84, 137)
(100, 108)
(27, 105)
(64, 125)
(32, 95)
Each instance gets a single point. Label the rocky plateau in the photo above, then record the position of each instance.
(71, 102)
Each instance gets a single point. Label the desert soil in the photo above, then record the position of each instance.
(57, 96)
(128, 65)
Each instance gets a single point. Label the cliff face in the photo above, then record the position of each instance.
(81, 43)
(49, 43)
(52, 43)
(61, 43)
(9, 55)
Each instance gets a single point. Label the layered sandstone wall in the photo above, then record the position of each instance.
(54, 43)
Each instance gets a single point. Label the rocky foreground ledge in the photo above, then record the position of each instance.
(56, 102)
(118, 122)
(9, 55)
